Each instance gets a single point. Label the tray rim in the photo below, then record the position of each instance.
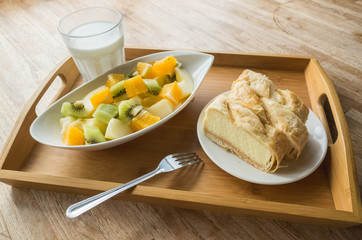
(272, 210)
(25, 179)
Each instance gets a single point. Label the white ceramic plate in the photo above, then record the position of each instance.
(46, 127)
(309, 160)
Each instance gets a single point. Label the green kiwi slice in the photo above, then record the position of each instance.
(74, 109)
(118, 91)
(133, 74)
(105, 112)
(92, 134)
(153, 86)
(127, 110)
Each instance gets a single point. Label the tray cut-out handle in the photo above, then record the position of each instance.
(14, 148)
(339, 141)
(68, 74)
(326, 116)
(325, 99)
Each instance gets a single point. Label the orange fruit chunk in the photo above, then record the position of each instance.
(135, 86)
(146, 70)
(113, 79)
(172, 92)
(165, 66)
(143, 120)
(73, 136)
(102, 96)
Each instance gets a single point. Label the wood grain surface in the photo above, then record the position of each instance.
(31, 47)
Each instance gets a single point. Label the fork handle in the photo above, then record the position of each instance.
(81, 207)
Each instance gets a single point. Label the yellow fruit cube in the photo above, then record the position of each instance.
(73, 136)
(150, 100)
(102, 96)
(143, 120)
(163, 79)
(113, 79)
(135, 86)
(172, 92)
(165, 66)
(146, 70)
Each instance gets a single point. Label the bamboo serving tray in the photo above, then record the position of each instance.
(329, 196)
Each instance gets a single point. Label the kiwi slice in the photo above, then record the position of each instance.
(135, 110)
(153, 86)
(170, 79)
(127, 110)
(74, 109)
(133, 74)
(165, 79)
(92, 134)
(118, 91)
(105, 112)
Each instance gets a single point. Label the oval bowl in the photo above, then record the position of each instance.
(46, 128)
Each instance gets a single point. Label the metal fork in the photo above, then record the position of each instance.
(169, 163)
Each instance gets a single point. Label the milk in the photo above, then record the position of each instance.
(95, 54)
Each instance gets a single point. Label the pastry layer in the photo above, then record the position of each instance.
(258, 122)
(220, 129)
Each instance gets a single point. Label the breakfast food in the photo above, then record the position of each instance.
(126, 103)
(258, 122)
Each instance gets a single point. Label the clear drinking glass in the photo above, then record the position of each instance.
(94, 37)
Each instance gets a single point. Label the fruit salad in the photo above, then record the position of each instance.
(126, 103)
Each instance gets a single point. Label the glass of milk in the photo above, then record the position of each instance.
(94, 37)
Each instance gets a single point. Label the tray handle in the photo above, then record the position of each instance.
(67, 72)
(14, 149)
(340, 149)
(323, 90)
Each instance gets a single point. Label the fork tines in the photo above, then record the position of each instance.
(185, 159)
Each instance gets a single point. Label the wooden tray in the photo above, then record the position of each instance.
(329, 196)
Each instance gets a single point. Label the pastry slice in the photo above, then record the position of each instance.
(261, 146)
(258, 122)
(281, 109)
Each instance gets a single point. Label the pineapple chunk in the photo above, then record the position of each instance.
(172, 92)
(161, 79)
(136, 100)
(95, 122)
(161, 109)
(143, 120)
(116, 129)
(165, 66)
(113, 79)
(73, 136)
(135, 86)
(185, 81)
(66, 122)
(150, 100)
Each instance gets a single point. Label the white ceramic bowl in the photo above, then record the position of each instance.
(46, 127)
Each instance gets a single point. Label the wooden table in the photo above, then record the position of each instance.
(31, 46)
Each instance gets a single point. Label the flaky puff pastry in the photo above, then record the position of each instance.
(275, 117)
